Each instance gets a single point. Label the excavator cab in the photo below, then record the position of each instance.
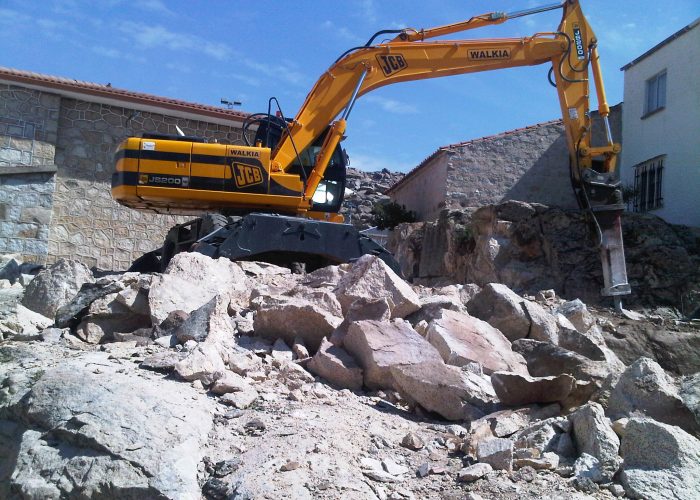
(330, 192)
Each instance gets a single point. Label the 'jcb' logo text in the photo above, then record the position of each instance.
(391, 64)
(246, 175)
(485, 54)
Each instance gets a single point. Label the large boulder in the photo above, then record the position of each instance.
(72, 431)
(593, 434)
(216, 352)
(461, 339)
(543, 326)
(583, 343)
(646, 389)
(361, 309)
(660, 461)
(546, 360)
(370, 277)
(19, 323)
(452, 393)
(337, 366)
(291, 317)
(516, 389)
(378, 346)
(190, 281)
(212, 316)
(56, 286)
(501, 308)
(107, 316)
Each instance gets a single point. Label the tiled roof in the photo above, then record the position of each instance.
(67, 85)
(466, 143)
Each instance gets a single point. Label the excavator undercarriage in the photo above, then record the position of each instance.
(294, 242)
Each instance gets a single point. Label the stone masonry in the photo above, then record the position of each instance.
(56, 162)
(528, 164)
(28, 133)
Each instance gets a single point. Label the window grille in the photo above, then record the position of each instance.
(648, 185)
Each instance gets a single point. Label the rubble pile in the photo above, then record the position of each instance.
(364, 190)
(219, 379)
(531, 247)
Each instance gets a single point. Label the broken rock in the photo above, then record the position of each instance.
(337, 366)
(543, 326)
(379, 346)
(370, 277)
(56, 286)
(545, 360)
(190, 281)
(661, 461)
(291, 317)
(497, 452)
(474, 472)
(501, 308)
(461, 338)
(577, 312)
(212, 316)
(646, 388)
(444, 389)
(514, 389)
(594, 435)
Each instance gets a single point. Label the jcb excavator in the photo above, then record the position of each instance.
(277, 198)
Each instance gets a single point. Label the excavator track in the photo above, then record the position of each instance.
(294, 242)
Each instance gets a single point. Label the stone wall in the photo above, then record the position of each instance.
(529, 164)
(71, 214)
(28, 133)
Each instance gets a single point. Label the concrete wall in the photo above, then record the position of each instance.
(424, 192)
(28, 134)
(83, 221)
(673, 131)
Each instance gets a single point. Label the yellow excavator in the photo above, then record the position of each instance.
(277, 197)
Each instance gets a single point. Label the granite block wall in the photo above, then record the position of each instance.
(56, 162)
(28, 132)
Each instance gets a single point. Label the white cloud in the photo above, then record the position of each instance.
(12, 18)
(157, 36)
(107, 52)
(368, 11)
(343, 33)
(154, 6)
(283, 71)
(392, 106)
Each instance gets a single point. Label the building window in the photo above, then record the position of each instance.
(648, 185)
(655, 93)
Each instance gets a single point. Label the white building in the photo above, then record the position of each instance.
(661, 128)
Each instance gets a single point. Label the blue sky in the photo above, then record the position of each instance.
(247, 51)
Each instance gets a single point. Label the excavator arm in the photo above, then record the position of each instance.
(572, 52)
